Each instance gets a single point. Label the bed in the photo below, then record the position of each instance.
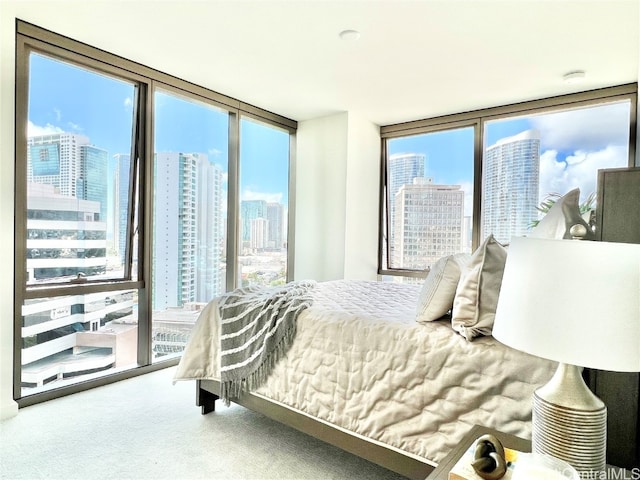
(366, 373)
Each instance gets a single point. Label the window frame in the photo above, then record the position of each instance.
(478, 119)
(31, 38)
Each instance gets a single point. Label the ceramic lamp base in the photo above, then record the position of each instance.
(570, 423)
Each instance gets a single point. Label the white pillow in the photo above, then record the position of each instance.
(476, 297)
(439, 288)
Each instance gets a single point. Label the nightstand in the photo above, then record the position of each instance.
(509, 441)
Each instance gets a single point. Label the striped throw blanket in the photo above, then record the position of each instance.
(258, 327)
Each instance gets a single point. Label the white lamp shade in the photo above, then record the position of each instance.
(572, 301)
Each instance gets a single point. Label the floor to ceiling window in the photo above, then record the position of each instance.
(429, 199)
(129, 212)
(264, 203)
(532, 159)
(448, 186)
(77, 179)
(190, 168)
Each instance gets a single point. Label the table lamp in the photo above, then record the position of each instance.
(575, 302)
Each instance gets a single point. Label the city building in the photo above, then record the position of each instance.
(188, 263)
(55, 159)
(275, 217)
(510, 183)
(250, 210)
(172, 329)
(259, 234)
(92, 182)
(65, 236)
(210, 251)
(75, 334)
(120, 218)
(402, 169)
(429, 223)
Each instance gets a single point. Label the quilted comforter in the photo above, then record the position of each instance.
(360, 361)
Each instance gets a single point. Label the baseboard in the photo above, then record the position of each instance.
(8, 409)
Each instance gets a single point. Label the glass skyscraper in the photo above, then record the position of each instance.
(401, 170)
(55, 159)
(510, 184)
(121, 202)
(93, 176)
(275, 216)
(249, 211)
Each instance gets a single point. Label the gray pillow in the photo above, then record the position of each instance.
(476, 297)
(563, 215)
(439, 288)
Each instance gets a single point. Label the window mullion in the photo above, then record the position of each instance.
(144, 194)
(233, 201)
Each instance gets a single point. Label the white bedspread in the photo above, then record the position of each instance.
(361, 362)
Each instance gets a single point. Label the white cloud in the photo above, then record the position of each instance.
(579, 169)
(128, 103)
(58, 114)
(214, 152)
(35, 130)
(248, 194)
(591, 128)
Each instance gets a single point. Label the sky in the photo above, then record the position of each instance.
(65, 98)
(574, 145)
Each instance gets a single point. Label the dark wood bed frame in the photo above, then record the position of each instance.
(208, 391)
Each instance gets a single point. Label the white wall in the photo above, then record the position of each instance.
(337, 184)
(362, 199)
(321, 166)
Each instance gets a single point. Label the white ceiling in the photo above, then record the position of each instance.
(414, 59)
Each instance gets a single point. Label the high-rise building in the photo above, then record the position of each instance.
(187, 230)
(250, 210)
(275, 216)
(210, 273)
(122, 174)
(72, 165)
(55, 159)
(401, 170)
(510, 182)
(67, 202)
(67, 181)
(64, 336)
(92, 183)
(259, 234)
(174, 230)
(429, 223)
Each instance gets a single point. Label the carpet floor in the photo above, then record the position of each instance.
(148, 428)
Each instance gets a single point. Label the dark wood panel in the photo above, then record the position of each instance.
(618, 212)
(618, 220)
